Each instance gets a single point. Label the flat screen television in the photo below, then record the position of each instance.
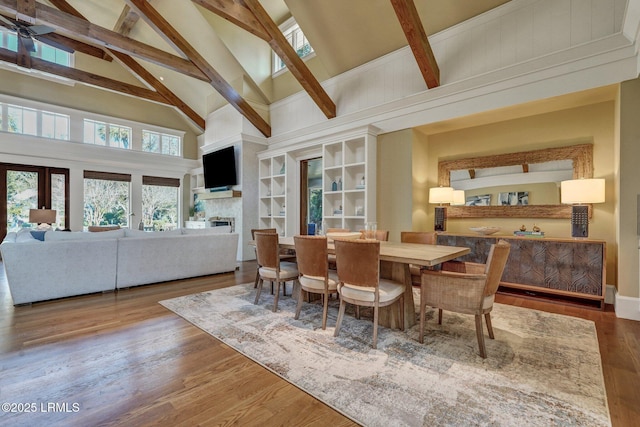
(219, 169)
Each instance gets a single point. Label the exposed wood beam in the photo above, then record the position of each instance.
(417, 38)
(141, 72)
(156, 21)
(296, 66)
(78, 28)
(26, 11)
(76, 45)
(472, 173)
(85, 77)
(236, 12)
(128, 18)
(525, 168)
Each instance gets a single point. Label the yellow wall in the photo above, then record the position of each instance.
(590, 124)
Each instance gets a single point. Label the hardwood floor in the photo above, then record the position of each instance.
(123, 359)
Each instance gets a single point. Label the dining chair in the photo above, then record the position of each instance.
(422, 237)
(466, 293)
(313, 265)
(359, 281)
(332, 257)
(381, 235)
(284, 255)
(271, 268)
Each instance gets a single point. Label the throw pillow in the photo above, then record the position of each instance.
(38, 234)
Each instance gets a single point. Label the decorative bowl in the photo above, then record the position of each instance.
(485, 230)
(343, 235)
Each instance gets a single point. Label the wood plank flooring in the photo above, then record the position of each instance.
(122, 359)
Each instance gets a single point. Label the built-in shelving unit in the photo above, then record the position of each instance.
(349, 184)
(273, 193)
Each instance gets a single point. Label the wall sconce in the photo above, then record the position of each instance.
(579, 193)
(440, 195)
(43, 217)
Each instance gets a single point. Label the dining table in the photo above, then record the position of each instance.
(395, 259)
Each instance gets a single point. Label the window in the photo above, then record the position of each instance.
(160, 203)
(9, 40)
(296, 38)
(106, 198)
(155, 142)
(100, 133)
(55, 126)
(22, 120)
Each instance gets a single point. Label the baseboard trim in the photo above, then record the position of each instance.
(627, 307)
(610, 294)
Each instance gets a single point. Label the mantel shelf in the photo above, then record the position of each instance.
(219, 194)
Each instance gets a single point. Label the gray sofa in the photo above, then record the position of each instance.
(75, 263)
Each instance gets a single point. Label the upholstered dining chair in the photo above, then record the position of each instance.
(271, 268)
(381, 235)
(466, 293)
(313, 265)
(422, 237)
(359, 281)
(283, 254)
(332, 257)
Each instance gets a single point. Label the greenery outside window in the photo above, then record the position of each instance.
(156, 142)
(22, 120)
(160, 203)
(106, 198)
(111, 135)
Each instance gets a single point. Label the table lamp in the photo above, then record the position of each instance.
(440, 195)
(579, 193)
(43, 217)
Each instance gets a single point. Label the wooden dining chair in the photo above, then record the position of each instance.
(422, 237)
(313, 265)
(359, 281)
(270, 266)
(284, 255)
(381, 235)
(332, 257)
(466, 293)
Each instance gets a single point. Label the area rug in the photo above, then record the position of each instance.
(542, 369)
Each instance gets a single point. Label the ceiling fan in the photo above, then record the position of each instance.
(26, 32)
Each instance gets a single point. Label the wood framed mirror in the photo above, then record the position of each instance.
(580, 155)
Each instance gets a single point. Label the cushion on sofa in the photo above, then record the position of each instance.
(38, 234)
(24, 235)
(81, 235)
(209, 230)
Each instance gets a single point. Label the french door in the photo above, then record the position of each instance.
(24, 187)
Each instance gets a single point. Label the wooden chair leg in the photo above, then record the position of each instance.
(299, 305)
(487, 318)
(423, 307)
(325, 310)
(255, 283)
(480, 334)
(343, 305)
(439, 316)
(375, 326)
(275, 298)
(358, 312)
(260, 282)
(401, 303)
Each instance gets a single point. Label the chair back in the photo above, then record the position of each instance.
(497, 259)
(267, 250)
(424, 237)
(358, 262)
(311, 255)
(262, 230)
(381, 235)
(337, 230)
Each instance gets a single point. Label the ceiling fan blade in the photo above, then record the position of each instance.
(7, 23)
(46, 40)
(27, 43)
(38, 30)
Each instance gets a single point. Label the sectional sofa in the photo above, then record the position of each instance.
(58, 264)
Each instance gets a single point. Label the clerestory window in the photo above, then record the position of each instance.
(296, 38)
(9, 40)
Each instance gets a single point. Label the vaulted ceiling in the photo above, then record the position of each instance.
(197, 55)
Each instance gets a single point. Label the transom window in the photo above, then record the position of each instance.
(9, 40)
(156, 142)
(30, 121)
(296, 38)
(111, 135)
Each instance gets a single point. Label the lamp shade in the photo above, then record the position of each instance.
(578, 191)
(458, 197)
(40, 216)
(441, 195)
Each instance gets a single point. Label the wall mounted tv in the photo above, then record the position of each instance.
(220, 169)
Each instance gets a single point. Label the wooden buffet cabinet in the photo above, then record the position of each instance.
(569, 268)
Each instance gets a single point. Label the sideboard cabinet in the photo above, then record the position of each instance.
(569, 268)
